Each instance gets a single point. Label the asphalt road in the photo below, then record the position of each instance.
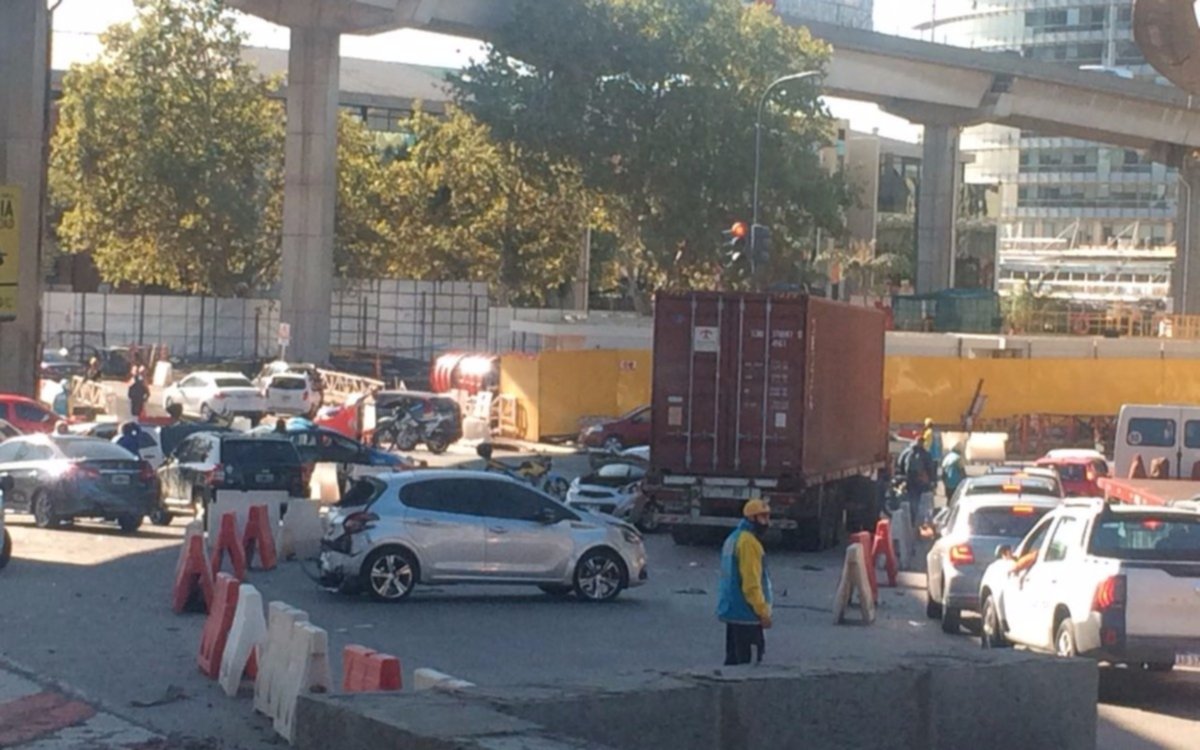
(89, 607)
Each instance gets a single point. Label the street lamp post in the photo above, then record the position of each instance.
(762, 103)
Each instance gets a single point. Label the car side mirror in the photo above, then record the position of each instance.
(6, 483)
(484, 451)
(1004, 552)
(548, 516)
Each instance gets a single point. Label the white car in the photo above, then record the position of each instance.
(290, 393)
(209, 394)
(611, 489)
(1117, 583)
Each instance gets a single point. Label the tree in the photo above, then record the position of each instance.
(167, 160)
(654, 101)
(460, 205)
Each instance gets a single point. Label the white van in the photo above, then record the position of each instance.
(1157, 431)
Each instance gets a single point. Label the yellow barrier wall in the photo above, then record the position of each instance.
(558, 389)
(942, 388)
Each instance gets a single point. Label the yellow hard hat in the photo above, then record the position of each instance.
(755, 507)
(929, 421)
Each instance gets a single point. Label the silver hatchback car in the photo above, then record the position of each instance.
(968, 537)
(394, 531)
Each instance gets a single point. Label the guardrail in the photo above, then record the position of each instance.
(340, 386)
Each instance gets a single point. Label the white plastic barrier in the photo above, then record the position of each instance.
(981, 447)
(302, 530)
(247, 636)
(239, 503)
(904, 538)
(431, 679)
(324, 485)
(854, 579)
(274, 655)
(307, 672)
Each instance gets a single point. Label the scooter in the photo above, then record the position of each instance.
(537, 472)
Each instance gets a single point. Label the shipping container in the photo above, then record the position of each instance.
(765, 395)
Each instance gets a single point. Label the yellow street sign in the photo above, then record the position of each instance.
(10, 249)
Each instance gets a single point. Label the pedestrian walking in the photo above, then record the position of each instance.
(954, 470)
(138, 394)
(744, 597)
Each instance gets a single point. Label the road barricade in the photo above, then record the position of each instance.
(247, 636)
(867, 542)
(366, 671)
(259, 537)
(854, 579)
(227, 543)
(307, 671)
(274, 654)
(302, 531)
(217, 626)
(193, 589)
(431, 679)
(882, 547)
(904, 539)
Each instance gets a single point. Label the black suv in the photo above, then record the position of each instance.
(209, 461)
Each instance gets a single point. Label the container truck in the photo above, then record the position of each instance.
(771, 396)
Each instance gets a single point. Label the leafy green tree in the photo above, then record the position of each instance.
(654, 101)
(167, 159)
(460, 205)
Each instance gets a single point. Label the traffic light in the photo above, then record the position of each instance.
(760, 246)
(735, 239)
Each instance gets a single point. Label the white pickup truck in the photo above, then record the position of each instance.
(1117, 583)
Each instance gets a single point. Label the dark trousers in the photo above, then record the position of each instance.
(739, 640)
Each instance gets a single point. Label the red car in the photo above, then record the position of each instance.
(1079, 471)
(27, 415)
(618, 434)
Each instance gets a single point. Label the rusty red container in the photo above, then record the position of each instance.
(766, 386)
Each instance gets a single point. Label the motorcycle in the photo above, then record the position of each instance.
(537, 472)
(407, 428)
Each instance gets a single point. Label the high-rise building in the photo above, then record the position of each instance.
(854, 13)
(1089, 194)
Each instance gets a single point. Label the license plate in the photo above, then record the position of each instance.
(120, 479)
(265, 477)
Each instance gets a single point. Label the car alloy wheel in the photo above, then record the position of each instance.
(613, 444)
(43, 511)
(1064, 640)
(648, 523)
(390, 575)
(598, 577)
(991, 635)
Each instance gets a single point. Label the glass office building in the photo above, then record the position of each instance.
(1087, 193)
(854, 13)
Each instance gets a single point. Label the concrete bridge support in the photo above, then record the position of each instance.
(937, 208)
(310, 191)
(22, 133)
(1185, 281)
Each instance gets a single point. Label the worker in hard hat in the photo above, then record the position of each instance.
(744, 598)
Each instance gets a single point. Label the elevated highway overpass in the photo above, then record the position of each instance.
(942, 88)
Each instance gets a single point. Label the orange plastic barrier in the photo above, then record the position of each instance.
(216, 627)
(258, 538)
(228, 544)
(884, 548)
(193, 590)
(863, 539)
(365, 671)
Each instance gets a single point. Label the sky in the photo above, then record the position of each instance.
(78, 23)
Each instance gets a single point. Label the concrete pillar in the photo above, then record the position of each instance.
(310, 192)
(1185, 281)
(22, 133)
(937, 209)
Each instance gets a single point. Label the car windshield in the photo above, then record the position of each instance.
(95, 450)
(233, 382)
(288, 384)
(1013, 521)
(621, 471)
(1072, 472)
(234, 452)
(1147, 537)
